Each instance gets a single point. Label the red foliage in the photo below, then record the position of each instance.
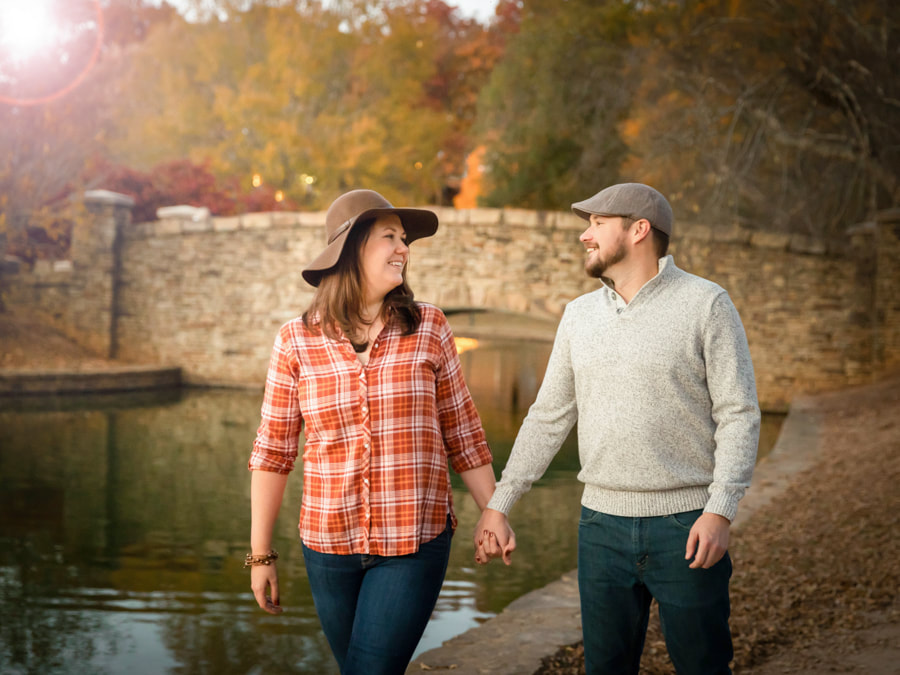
(262, 198)
(184, 182)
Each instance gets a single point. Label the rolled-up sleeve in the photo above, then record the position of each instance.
(278, 437)
(464, 438)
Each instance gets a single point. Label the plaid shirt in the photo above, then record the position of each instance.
(378, 437)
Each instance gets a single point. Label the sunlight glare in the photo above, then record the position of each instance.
(25, 28)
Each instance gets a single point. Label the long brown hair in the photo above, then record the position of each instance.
(338, 301)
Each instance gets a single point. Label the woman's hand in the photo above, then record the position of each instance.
(266, 492)
(493, 538)
(265, 578)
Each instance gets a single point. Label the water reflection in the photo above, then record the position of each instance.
(124, 521)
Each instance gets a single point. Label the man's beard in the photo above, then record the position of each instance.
(596, 267)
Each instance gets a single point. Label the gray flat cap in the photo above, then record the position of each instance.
(634, 200)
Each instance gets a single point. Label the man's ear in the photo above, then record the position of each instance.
(640, 229)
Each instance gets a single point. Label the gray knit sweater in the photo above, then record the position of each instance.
(663, 391)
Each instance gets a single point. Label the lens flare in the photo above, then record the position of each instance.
(25, 28)
(31, 30)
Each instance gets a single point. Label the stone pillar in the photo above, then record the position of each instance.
(860, 324)
(96, 262)
(887, 291)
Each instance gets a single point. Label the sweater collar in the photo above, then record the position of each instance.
(666, 271)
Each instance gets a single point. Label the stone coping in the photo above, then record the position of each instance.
(16, 383)
(537, 624)
(181, 220)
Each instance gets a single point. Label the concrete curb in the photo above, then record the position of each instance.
(536, 625)
(18, 383)
(514, 641)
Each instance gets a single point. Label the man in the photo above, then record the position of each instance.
(654, 366)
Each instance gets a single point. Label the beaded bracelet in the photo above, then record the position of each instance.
(264, 559)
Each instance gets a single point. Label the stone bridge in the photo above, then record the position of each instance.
(208, 294)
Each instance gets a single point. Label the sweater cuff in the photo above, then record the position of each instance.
(723, 505)
(503, 500)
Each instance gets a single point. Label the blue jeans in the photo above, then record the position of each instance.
(623, 563)
(373, 609)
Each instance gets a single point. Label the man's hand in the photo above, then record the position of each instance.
(708, 539)
(493, 538)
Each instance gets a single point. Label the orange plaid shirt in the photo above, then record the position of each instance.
(378, 437)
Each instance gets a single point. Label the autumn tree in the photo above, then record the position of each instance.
(769, 113)
(54, 107)
(417, 73)
(549, 116)
(312, 100)
(47, 118)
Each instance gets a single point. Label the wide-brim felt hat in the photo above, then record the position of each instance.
(358, 206)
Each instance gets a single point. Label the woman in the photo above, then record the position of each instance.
(374, 381)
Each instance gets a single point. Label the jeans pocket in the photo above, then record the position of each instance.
(685, 520)
(589, 516)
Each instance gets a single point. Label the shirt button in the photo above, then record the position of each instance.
(365, 409)
(366, 446)
(619, 311)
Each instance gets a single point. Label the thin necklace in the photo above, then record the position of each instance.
(360, 347)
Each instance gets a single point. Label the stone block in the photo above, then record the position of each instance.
(482, 216)
(42, 268)
(256, 221)
(183, 212)
(522, 217)
(566, 220)
(168, 227)
(731, 234)
(693, 231)
(138, 231)
(10, 264)
(448, 216)
(311, 219)
(284, 218)
(195, 226)
(777, 240)
(108, 198)
(226, 224)
(805, 244)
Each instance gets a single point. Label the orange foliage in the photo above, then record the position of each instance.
(470, 186)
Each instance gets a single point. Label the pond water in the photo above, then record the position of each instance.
(124, 520)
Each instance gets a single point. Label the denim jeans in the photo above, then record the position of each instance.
(623, 563)
(373, 609)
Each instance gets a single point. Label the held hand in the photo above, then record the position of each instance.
(263, 578)
(493, 538)
(708, 539)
